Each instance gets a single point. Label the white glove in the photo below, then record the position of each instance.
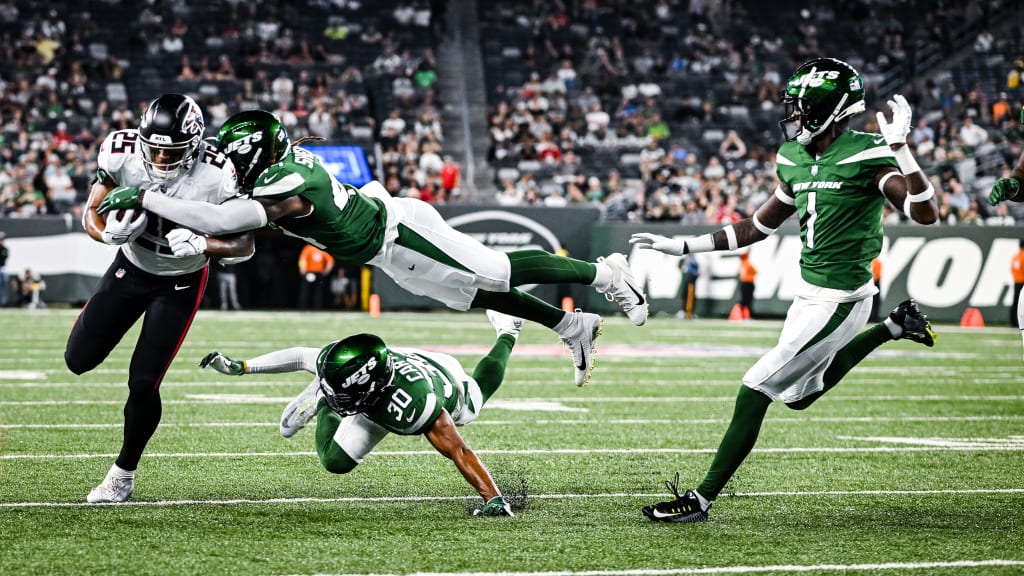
(663, 244)
(119, 231)
(895, 132)
(184, 243)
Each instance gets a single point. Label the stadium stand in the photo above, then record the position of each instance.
(651, 109)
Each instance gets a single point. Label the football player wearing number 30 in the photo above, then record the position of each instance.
(837, 180)
(160, 268)
(363, 389)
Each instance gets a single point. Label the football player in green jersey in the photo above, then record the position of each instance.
(364, 389)
(836, 180)
(1010, 189)
(406, 238)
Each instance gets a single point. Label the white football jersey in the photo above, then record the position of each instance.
(211, 179)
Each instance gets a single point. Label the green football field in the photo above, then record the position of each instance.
(913, 465)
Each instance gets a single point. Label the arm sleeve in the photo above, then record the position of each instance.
(214, 219)
(287, 360)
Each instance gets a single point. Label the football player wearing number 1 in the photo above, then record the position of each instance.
(405, 237)
(363, 389)
(1010, 189)
(837, 181)
(160, 268)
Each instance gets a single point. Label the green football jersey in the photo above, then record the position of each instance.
(422, 388)
(839, 206)
(348, 225)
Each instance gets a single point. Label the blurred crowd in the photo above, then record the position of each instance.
(345, 71)
(657, 110)
(667, 111)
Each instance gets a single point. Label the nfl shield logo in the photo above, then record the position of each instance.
(119, 273)
(814, 170)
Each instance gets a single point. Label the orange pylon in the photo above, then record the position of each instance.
(972, 319)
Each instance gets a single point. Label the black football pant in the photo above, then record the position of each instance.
(123, 295)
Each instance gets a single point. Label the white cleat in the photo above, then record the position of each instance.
(301, 410)
(623, 289)
(580, 337)
(112, 490)
(505, 324)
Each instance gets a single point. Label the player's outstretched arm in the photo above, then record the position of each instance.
(765, 221)
(287, 360)
(445, 437)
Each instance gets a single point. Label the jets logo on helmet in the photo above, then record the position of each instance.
(361, 376)
(820, 93)
(355, 372)
(245, 144)
(254, 140)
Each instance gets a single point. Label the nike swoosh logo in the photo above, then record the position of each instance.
(583, 363)
(639, 296)
(176, 287)
(413, 267)
(411, 416)
(658, 514)
(272, 178)
(879, 140)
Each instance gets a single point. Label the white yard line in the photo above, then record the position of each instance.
(368, 499)
(548, 422)
(258, 399)
(785, 568)
(1007, 445)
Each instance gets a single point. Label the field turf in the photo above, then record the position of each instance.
(913, 465)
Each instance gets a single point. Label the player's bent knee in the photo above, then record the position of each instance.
(77, 364)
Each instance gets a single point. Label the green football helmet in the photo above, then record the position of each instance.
(821, 91)
(254, 140)
(354, 373)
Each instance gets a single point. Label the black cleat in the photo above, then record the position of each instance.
(915, 325)
(685, 508)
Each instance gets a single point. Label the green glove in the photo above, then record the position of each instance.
(223, 364)
(1004, 189)
(120, 198)
(494, 507)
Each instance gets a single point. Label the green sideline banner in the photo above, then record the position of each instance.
(945, 269)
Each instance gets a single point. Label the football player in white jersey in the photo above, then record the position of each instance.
(160, 269)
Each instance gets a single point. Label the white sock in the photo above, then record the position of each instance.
(603, 277)
(119, 472)
(895, 329)
(704, 502)
(565, 324)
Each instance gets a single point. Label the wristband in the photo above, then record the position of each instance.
(906, 207)
(881, 183)
(925, 196)
(760, 226)
(905, 160)
(705, 243)
(730, 236)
